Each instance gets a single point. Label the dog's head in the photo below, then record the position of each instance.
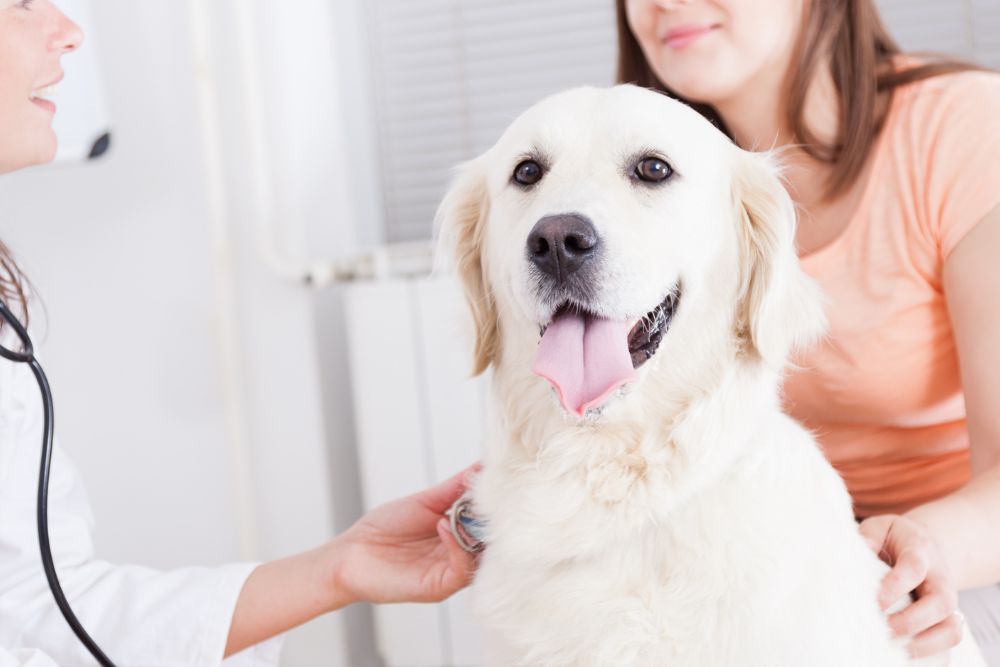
(611, 227)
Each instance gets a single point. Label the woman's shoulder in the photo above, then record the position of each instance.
(944, 133)
(955, 110)
(947, 93)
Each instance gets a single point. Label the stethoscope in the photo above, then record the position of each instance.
(27, 356)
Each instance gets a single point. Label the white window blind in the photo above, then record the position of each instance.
(966, 28)
(986, 32)
(930, 25)
(449, 75)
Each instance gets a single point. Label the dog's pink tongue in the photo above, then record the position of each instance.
(585, 358)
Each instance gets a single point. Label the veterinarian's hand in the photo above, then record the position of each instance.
(918, 567)
(404, 551)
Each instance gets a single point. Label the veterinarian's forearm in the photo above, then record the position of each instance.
(284, 594)
(964, 526)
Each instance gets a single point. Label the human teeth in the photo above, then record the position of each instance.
(44, 93)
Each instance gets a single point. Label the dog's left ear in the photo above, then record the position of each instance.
(461, 222)
(781, 307)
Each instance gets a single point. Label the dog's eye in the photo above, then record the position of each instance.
(653, 170)
(528, 172)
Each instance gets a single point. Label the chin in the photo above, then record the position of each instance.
(30, 150)
(706, 80)
(48, 146)
(703, 88)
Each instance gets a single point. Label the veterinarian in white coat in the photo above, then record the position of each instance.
(896, 183)
(401, 551)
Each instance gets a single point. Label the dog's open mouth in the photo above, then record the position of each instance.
(645, 336)
(587, 358)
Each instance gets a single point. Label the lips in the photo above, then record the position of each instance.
(44, 104)
(40, 96)
(685, 35)
(51, 84)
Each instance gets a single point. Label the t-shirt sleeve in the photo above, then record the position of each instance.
(961, 114)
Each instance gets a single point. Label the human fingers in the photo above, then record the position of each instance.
(937, 601)
(441, 497)
(909, 569)
(462, 564)
(875, 531)
(939, 638)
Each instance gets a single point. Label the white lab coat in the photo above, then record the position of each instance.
(138, 616)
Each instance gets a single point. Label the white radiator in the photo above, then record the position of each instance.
(420, 419)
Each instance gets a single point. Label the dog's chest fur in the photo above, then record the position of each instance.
(621, 546)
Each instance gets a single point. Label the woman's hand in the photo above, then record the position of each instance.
(404, 551)
(918, 567)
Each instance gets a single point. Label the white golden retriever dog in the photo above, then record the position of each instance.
(657, 508)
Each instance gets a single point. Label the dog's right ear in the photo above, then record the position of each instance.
(461, 224)
(780, 307)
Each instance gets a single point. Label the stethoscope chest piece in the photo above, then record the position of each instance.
(469, 532)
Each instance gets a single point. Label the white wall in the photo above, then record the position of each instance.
(202, 397)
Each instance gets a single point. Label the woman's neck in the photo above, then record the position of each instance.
(758, 120)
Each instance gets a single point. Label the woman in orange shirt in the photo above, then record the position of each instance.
(895, 165)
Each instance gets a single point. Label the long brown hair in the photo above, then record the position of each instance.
(12, 286)
(850, 36)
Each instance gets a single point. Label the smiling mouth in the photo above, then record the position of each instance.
(42, 97)
(645, 336)
(682, 37)
(588, 358)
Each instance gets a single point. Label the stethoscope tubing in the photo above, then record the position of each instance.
(27, 355)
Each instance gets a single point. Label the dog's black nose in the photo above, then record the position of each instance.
(560, 244)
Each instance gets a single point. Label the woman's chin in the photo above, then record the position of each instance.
(704, 85)
(45, 149)
(699, 91)
(30, 150)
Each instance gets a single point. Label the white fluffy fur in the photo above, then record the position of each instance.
(690, 523)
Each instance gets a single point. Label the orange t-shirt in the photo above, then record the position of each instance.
(882, 391)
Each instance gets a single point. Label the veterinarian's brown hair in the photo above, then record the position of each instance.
(850, 36)
(12, 284)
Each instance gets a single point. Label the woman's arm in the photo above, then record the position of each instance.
(402, 551)
(951, 543)
(964, 524)
(281, 595)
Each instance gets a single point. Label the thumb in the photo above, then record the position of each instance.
(462, 563)
(439, 498)
(875, 530)
(873, 543)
